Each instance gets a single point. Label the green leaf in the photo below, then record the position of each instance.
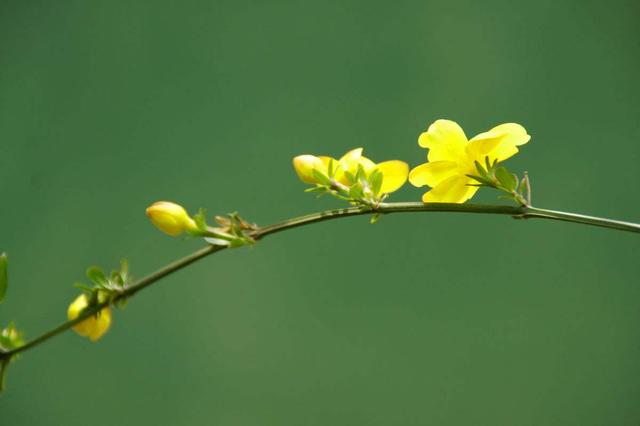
(350, 177)
(316, 189)
(124, 270)
(481, 171)
(488, 164)
(96, 275)
(201, 220)
(331, 169)
(4, 279)
(375, 181)
(84, 287)
(506, 178)
(356, 192)
(321, 177)
(483, 181)
(375, 217)
(361, 174)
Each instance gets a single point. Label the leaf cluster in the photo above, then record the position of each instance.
(499, 177)
(107, 287)
(233, 231)
(234, 225)
(362, 188)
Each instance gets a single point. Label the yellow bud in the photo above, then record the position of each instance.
(94, 326)
(170, 218)
(304, 166)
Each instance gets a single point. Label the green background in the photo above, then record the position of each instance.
(423, 319)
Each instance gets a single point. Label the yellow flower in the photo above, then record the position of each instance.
(171, 218)
(452, 157)
(394, 172)
(94, 326)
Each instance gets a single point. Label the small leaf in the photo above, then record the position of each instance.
(84, 287)
(331, 169)
(506, 179)
(341, 197)
(4, 278)
(124, 269)
(481, 171)
(483, 181)
(314, 189)
(201, 220)
(361, 175)
(375, 217)
(321, 177)
(96, 275)
(356, 192)
(488, 164)
(217, 241)
(350, 177)
(375, 180)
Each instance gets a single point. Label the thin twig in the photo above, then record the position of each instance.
(520, 212)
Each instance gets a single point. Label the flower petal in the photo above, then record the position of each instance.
(499, 143)
(327, 160)
(445, 139)
(452, 190)
(432, 173)
(94, 326)
(481, 145)
(516, 134)
(100, 324)
(351, 158)
(367, 164)
(394, 175)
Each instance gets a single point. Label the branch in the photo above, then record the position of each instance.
(519, 212)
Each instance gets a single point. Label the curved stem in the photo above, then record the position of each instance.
(128, 292)
(520, 212)
(387, 208)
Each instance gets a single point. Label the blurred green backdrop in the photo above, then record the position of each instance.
(439, 319)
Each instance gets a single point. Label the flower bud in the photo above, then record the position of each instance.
(170, 218)
(304, 166)
(10, 338)
(94, 326)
